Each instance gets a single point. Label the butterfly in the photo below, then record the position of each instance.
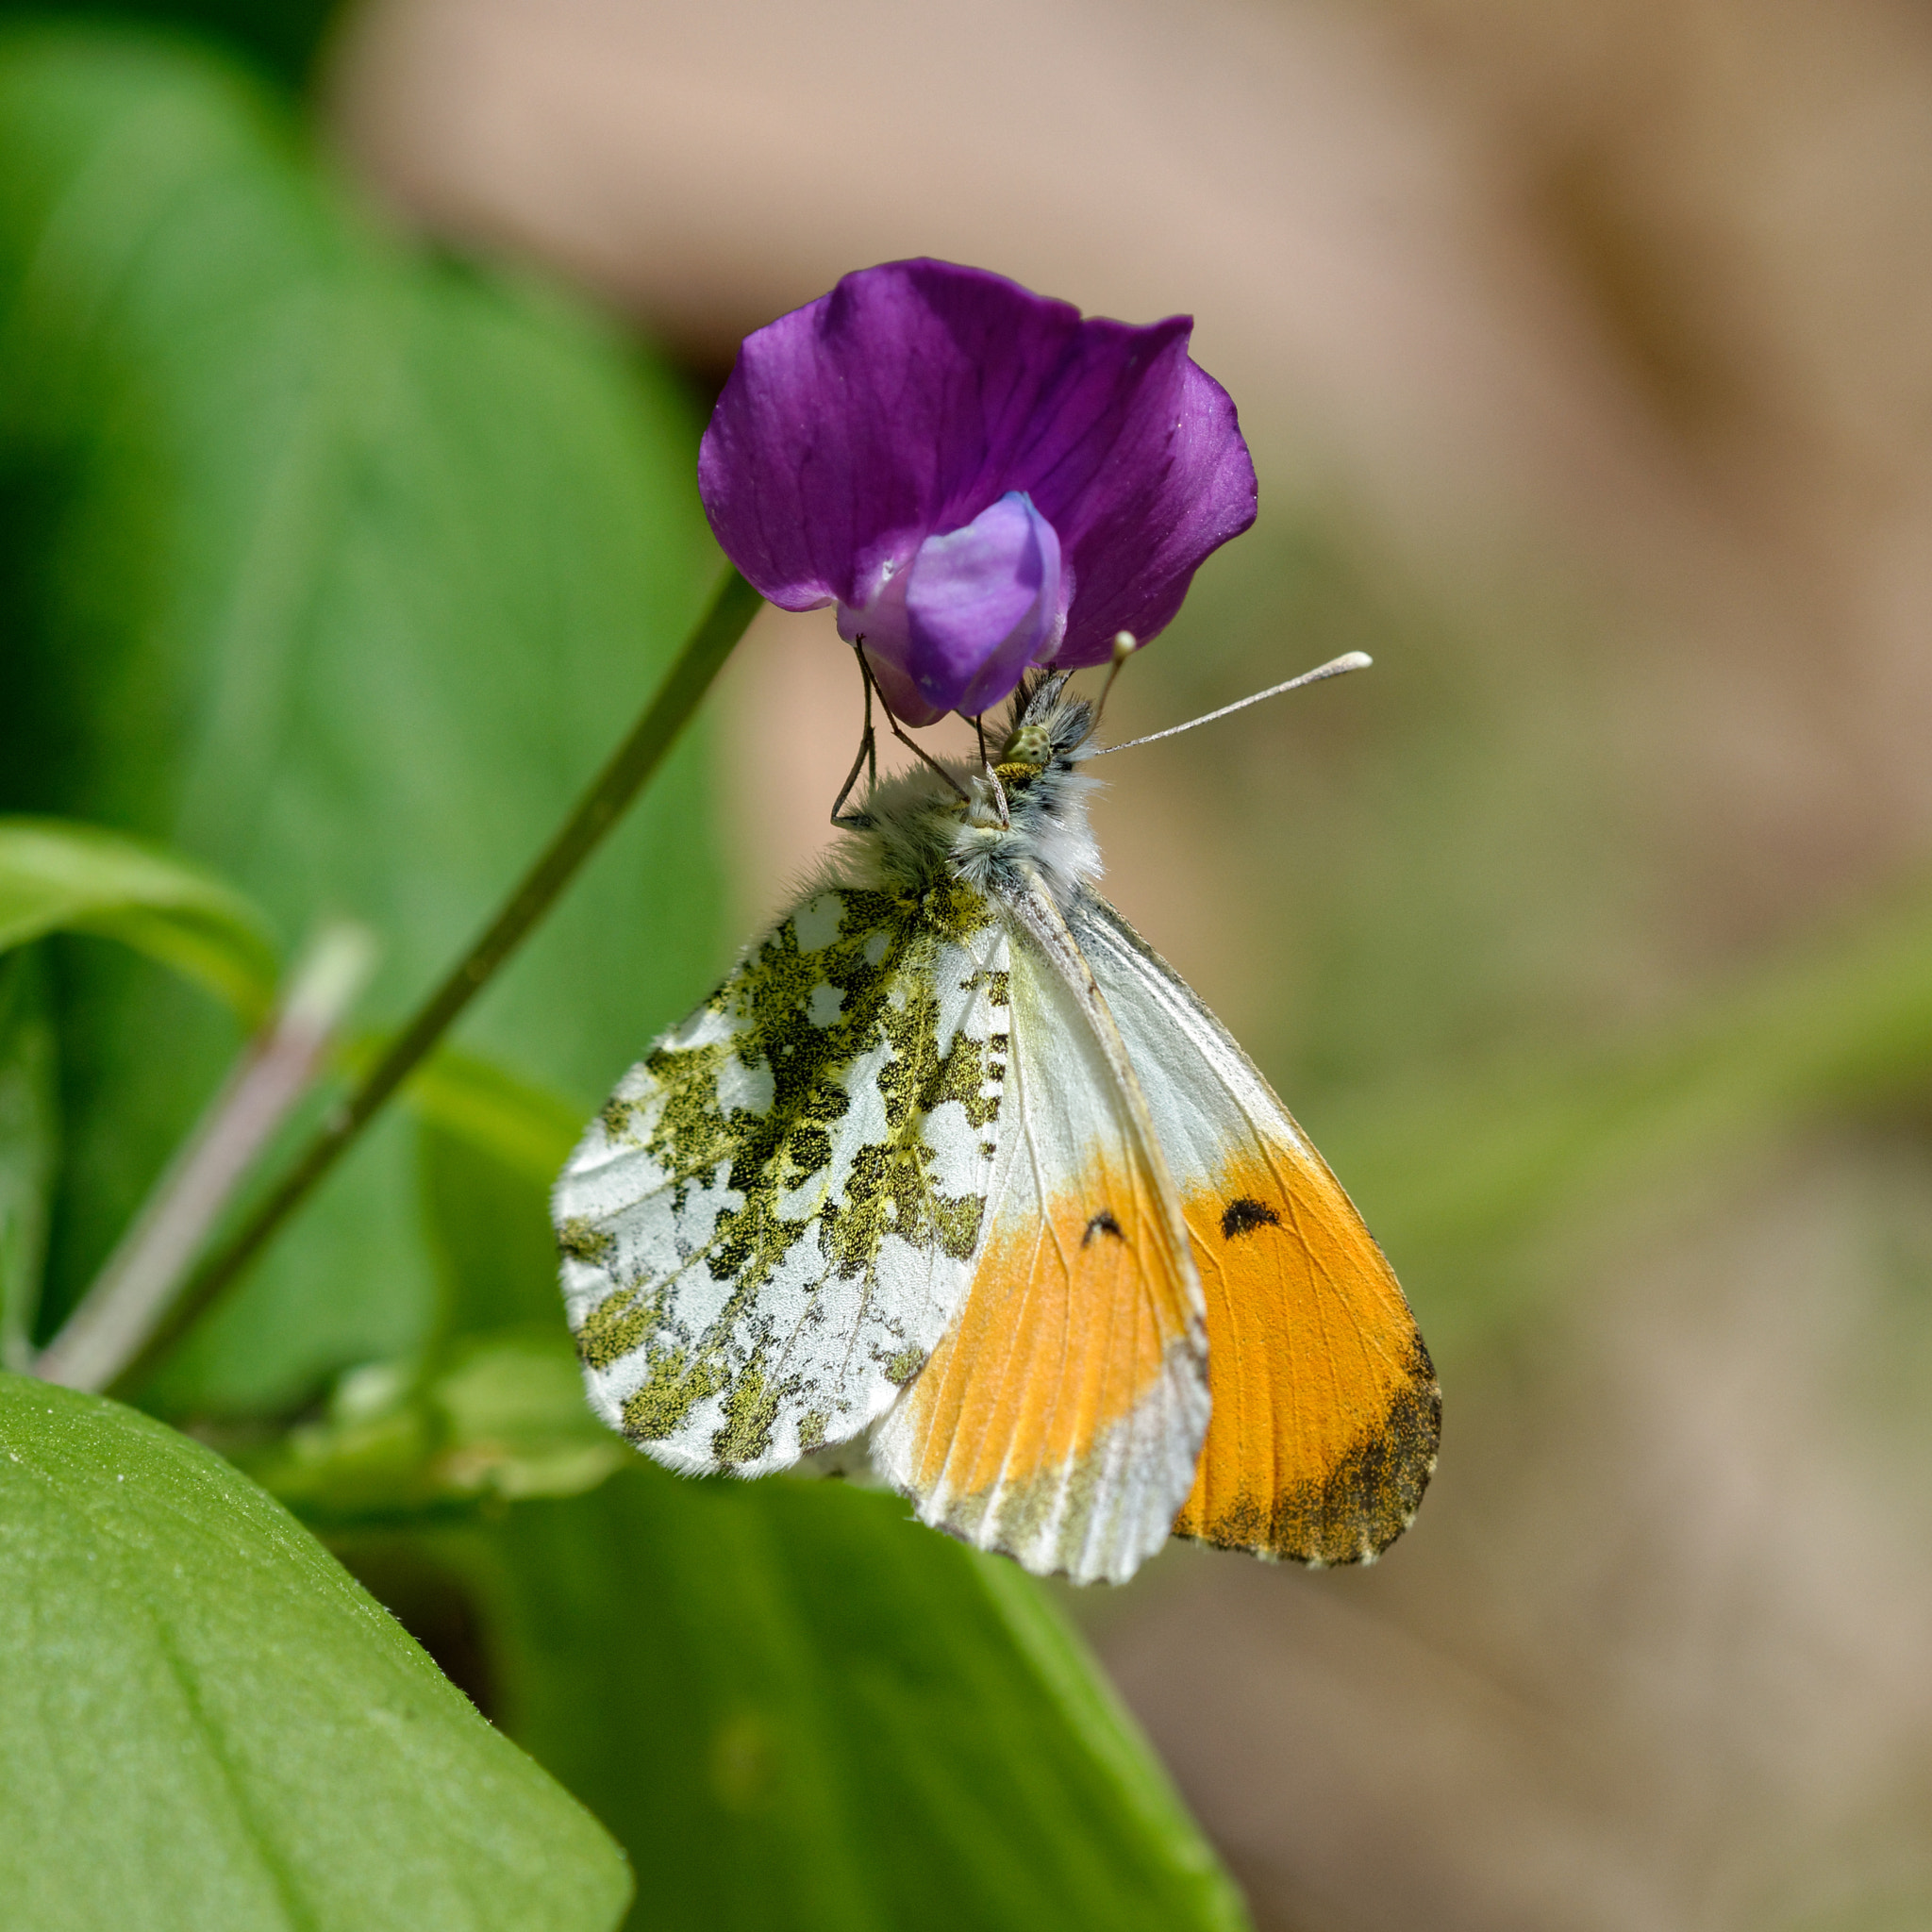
(953, 1157)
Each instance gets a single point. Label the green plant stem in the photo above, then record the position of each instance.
(704, 651)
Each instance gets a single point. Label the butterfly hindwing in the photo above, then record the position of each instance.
(769, 1226)
(1326, 1409)
(1059, 1418)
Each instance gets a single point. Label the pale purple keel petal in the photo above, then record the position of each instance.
(901, 694)
(880, 628)
(982, 604)
(973, 609)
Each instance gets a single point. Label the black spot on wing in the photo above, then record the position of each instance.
(1245, 1216)
(1102, 1222)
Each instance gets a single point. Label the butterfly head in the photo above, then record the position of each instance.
(1036, 824)
(1046, 727)
(925, 825)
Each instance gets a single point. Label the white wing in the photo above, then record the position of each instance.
(1059, 1419)
(768, 1227)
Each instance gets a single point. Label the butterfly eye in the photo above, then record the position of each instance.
(1028, 746)
(1244, 1216)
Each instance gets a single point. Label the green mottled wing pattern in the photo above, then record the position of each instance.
(769, 1226)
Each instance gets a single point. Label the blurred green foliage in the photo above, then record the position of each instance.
(1499, 1178)
(281, 37)
(336, 567)
(810, 1716)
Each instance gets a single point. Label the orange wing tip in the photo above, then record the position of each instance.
(1351, 1511)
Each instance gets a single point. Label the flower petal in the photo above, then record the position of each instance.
(917, 394)
(980, 604)
(901, 695)
(880, 630)
(955, 629)
(1167, 481)
(853, 428)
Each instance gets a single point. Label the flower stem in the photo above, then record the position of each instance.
(704, 651)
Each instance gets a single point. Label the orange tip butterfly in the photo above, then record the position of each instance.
(953, 1160)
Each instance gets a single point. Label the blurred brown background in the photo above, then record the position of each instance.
(1586, 353)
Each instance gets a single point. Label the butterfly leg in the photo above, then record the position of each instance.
(999, 790)
(867, 755)
(918, 750)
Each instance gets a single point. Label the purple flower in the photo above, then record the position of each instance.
(978, 478)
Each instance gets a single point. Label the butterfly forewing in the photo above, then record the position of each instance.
(768, 1227)
(1059, 1418)
(1325, 1410)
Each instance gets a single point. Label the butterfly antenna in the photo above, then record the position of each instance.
(1349, 660)
(1124, 644)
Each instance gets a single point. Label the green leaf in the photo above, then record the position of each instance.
(208, 1724)
(342, 568)
(798, 1709)
(30, 1133)
(514, 1411)
(61, 878)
